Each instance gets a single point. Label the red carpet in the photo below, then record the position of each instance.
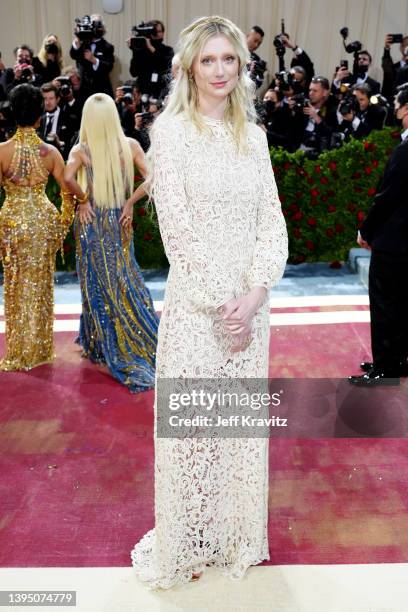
(77, 466)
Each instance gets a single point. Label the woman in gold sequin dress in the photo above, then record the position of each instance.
(31, 232)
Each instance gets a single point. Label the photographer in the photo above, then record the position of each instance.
(23, 70)
(128, 99)
(94, 56)
(300, 58)
(394, 72)
(362, 65)
(313, 118)
(151, 58)
(48, 63)
(69, 85)
(276, 119)
(358, 119)
(56, 126)
(143, 121)
(257, 66)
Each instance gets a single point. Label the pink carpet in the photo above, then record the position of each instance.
(77, 465)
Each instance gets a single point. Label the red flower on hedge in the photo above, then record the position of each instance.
(368, 170)
(375, 163)
(297, 232)
(310, 245)
(332, 165)
(324, 180)
(141, 212)
(357, 175)
(360, 216)
(396, 134)
(147, 236)
(310, 180)
(331, 208)
(287, 165)
(339, 228)
(297, 216)
(331, 193)
(312, 221)
(294, 207)
(300, 172)
(371, 191)
(300, 259)
(330, 232)
(325, 198)
(351, 207)
(369, 146)
(314, 202)
(314, 193)
(318, 169)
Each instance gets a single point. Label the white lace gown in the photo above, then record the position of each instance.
(223, 232)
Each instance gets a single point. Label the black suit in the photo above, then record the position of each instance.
(351, 80)
(386, 231)
(95, 81)
(152, 70)
(67, 125)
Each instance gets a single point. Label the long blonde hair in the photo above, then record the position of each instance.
(42, 54)
(110, 152)
(183, 96)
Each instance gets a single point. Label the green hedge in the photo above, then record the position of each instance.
(324, 202)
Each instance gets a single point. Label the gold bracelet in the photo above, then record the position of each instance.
(82, 200)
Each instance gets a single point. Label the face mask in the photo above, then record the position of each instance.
(269, 106)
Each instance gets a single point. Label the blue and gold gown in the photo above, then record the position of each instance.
(118, 325)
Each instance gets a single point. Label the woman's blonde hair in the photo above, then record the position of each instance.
(183, 96)
(110, 152)
(42, 54)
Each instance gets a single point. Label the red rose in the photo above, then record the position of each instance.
(332, 165)
(357, 175)
(360, 216)
(331, 208)
(335, 265)
(339, 228)
(294, 206)
(287, 165)
(396, 134)
(318, 169)
(297, 216)
(314, 202)
(312, 221)
(351, 207)
(366, 145)
(297, 232)
(368, 169)
(310, 180)
(330, 232)
(147, 236)
(310, 245)
(331, 193)
(314, 193)
(324, 198)
(371, 191)
(324, 180)
(300, 172)
(141, 211)
(375, 163)
(299, 259)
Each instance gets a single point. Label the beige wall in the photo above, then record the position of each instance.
(312, 24)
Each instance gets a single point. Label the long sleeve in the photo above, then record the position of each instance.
(271, 248)
(207, 283)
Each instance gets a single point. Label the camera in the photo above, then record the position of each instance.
(51, 48)
(26, 72)
(348, 105)
(259, 67)
(278, 42)
(127, 98)
(396, 38)
(300, 101)
(286, 80)
(127, 89)
(139, 33)
(66, 86)
(353, 47)
(87, 30)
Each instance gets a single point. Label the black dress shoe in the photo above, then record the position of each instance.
(366, 366)
(375, 377)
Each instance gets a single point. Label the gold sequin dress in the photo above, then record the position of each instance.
(31, 232)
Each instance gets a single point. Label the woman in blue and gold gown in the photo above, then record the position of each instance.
(118, 324)
(31, 232)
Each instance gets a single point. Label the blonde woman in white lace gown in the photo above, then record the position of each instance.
(225, 237)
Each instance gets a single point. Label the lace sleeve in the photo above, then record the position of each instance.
(271, 249)
(207, 284)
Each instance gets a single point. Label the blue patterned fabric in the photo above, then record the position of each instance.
(118, 324)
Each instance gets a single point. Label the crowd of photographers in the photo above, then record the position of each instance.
(299, 109)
